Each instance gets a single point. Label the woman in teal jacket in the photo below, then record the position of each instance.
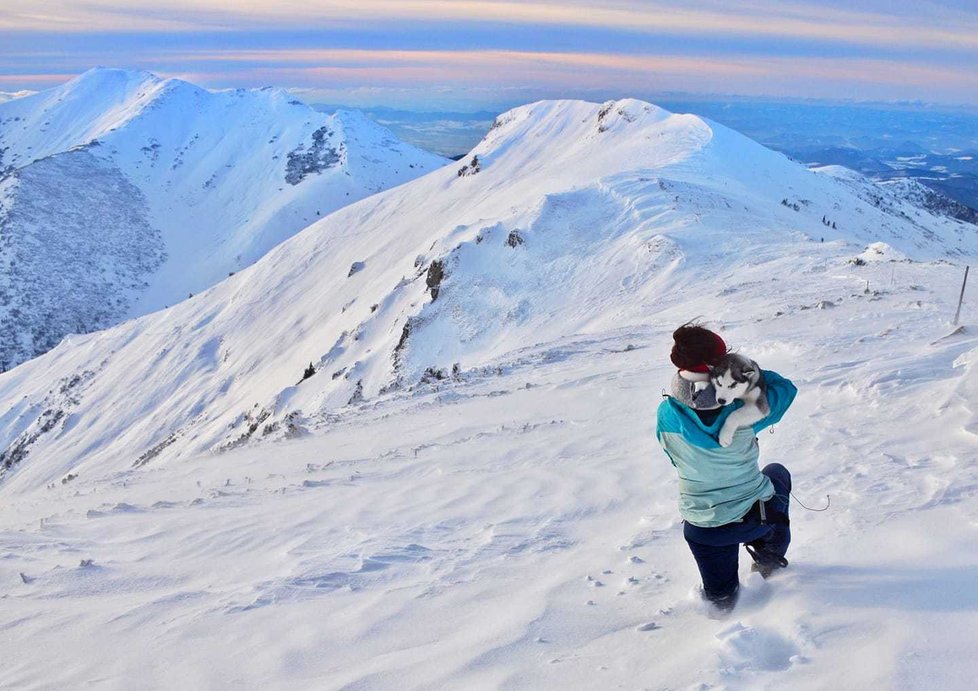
(725, 499)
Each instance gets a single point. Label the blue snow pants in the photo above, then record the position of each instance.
(716, 550)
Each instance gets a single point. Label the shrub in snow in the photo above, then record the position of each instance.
(357, 396)
(471, 168)
(432, 374)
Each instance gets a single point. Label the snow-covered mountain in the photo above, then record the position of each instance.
(122, 193)
(921, 195)
(412, 446)
(568, 218)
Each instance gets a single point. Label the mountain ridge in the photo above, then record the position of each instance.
(220, 178)
(454, 270)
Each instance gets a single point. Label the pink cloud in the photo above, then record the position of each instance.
(927, 27)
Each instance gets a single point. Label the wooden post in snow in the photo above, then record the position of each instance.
(961, 298)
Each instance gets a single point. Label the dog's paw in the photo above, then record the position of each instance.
(726, 436)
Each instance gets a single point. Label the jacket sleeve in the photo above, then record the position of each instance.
(780, 394)
(665, 422)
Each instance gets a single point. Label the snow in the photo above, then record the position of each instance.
(11, 95)
(218, 179)
(880, 251)
(392, 523)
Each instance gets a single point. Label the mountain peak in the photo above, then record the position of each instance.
(601, 134)
(112, 78)
(101, 162)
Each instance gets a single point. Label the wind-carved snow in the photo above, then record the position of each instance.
(497, 292)
(222, 178)
(466, 492)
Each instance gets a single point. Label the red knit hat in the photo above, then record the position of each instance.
(696, 348)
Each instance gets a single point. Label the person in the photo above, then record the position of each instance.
(725, 499)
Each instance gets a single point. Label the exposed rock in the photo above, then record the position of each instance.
(603, 114)
(356, 267)
(405, 332)
(317, 158)
(436, 272)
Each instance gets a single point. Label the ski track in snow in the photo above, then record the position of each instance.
(516, 526)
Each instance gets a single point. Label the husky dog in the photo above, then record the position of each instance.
(733, 377)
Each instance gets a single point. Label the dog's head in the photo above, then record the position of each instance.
(733, 376)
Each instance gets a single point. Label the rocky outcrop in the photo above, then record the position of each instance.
(302, 162)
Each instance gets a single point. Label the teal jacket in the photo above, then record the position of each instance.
(718, 485)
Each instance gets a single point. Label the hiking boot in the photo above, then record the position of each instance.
(765, 561)
(722, 604)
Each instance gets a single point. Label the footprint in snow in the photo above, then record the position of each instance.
(745, 647)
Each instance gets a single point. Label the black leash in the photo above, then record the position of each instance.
(828, 503)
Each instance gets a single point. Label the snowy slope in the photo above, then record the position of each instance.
(394, 521)
(194, 184)
(923, 196)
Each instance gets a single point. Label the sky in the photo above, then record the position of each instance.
(432, 55)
